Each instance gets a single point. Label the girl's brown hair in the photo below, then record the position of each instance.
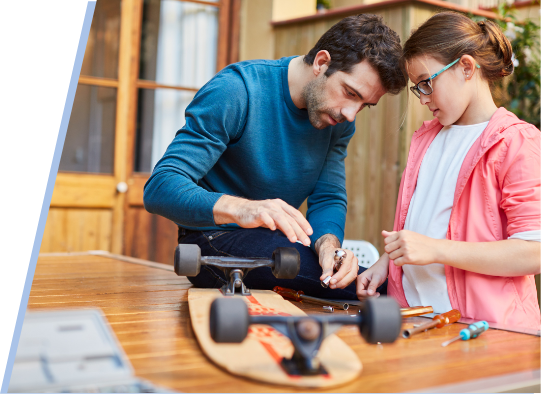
(448, 35)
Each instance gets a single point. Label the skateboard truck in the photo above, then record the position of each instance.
(379, 321)
(285, 264)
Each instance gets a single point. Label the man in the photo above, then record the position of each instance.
(260, 138)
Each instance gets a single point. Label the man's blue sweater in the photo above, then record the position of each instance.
(244, 137)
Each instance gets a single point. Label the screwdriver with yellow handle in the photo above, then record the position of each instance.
(438, 321)
(299, 296)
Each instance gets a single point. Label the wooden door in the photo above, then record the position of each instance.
(98, 197)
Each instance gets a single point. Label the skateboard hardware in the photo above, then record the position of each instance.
(325, 282)
(328, 309)
(300, 296)
(339, 256)
(285, 264)
(379, 321)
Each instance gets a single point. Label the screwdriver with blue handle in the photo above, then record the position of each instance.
(473, 331)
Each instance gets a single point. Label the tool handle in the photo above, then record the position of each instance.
(447, 318)
(473, 330)
(288, 293)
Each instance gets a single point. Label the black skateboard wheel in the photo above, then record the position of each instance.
(187, 260)
(287, 263)
(381, 320)
(229, 320)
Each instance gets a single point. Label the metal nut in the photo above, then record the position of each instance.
(339, 254)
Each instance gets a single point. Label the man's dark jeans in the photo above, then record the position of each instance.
(261, 242)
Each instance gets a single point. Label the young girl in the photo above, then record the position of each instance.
(467, 226)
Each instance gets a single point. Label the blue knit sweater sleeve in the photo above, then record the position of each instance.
(327, 205)
(214, 118)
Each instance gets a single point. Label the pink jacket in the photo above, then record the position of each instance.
(497, 195)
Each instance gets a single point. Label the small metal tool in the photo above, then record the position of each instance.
(299, 296)
(325, 282)
(339, 256)
(416, 311)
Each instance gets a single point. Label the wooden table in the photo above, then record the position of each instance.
(146, 305)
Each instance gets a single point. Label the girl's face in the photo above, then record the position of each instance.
(450, 97)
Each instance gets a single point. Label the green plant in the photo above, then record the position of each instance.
(520, 92)
(324, 3)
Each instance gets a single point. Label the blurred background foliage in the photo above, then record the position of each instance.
(520, 92)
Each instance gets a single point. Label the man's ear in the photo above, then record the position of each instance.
(321, 62)
(467, 63)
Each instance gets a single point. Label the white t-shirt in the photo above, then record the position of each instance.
(430, 210)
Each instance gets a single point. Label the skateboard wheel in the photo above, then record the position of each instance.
(187, 260)
(287, 262)
(229, 320)
(381, 320)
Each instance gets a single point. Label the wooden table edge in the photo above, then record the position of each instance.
(106, 254)
(523, 382)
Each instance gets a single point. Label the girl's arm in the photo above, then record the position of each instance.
(510, 257)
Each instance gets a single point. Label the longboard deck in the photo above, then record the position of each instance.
(258, 356)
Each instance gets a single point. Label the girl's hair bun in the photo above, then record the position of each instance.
(502, 48)
(447, 36)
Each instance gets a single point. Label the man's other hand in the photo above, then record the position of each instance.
(272, 214)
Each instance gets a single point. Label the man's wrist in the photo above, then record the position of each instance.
(327, 241)
(225, 209)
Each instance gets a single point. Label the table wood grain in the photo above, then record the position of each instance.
(146, 305)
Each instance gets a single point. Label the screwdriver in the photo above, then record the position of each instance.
(473, 331)
(438, 321)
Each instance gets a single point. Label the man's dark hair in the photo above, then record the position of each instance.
(360, 37)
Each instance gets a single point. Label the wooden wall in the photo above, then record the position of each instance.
(77, 230)
(81, 214)
(378, 151)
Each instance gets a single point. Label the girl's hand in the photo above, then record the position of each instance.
(369, 280)
(408, 247)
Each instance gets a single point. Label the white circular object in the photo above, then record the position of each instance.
(122, 187)
(340, 253)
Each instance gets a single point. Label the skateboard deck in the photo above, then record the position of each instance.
(258, 357)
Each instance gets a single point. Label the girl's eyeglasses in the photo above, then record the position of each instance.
(425, 86)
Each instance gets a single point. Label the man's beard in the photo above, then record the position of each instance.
(314, 97)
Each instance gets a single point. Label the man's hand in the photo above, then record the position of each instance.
(372, 278)
(272, 214)
(326, 246)
(408, 247)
